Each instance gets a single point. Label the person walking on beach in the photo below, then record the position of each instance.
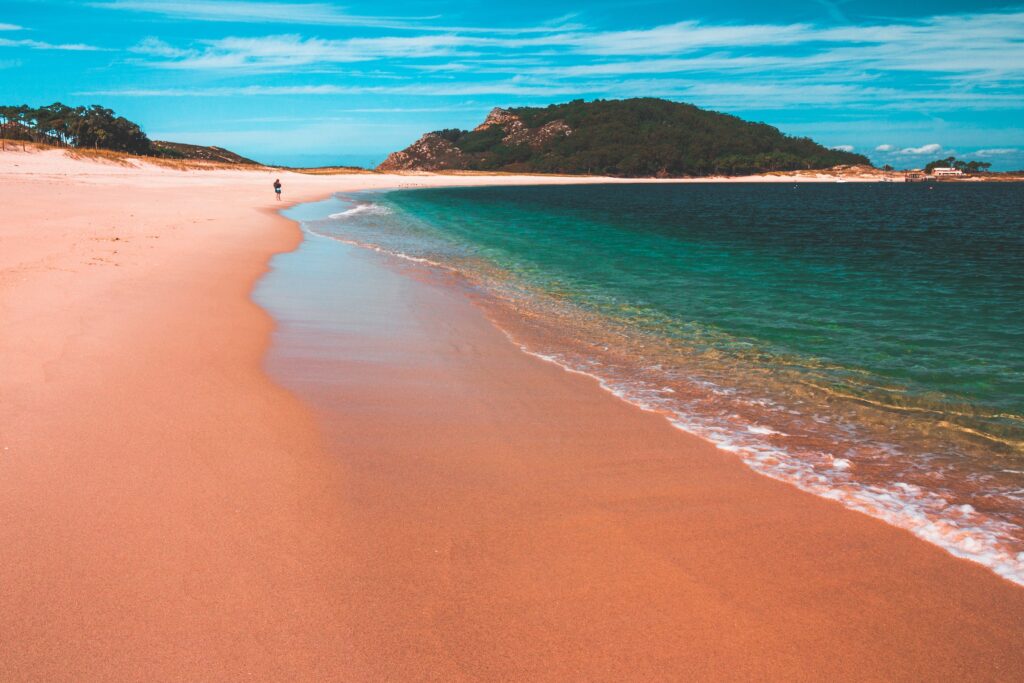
(277, 188)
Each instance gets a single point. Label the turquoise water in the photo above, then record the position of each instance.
(862, 341)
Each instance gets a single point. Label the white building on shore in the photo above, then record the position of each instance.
(941, 171)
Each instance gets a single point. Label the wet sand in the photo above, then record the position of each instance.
(395, 491)
(511, 520)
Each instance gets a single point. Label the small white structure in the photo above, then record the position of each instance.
(940, 171)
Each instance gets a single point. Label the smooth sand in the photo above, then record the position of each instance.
(427, 502)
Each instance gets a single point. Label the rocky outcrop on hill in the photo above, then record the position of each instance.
(499, 117)
(518, 133)
(430, 153)
(441, 150)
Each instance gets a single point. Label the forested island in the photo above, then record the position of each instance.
(642, 137)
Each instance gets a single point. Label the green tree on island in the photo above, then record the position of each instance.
(965, 166)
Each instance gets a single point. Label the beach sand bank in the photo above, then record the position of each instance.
(405, 496)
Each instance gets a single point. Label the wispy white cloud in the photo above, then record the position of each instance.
(992, 47)
(988, 41)
(703, 63)
(685, 36)
(884, 148)
(843, 148)
(428, 89)
(290, 51)
(997, 151)
(307, 13)
(989, 48)
(41, 45)
(239, 91)
(737, 67)
(158, 48)
(244, 11)
(932, 148)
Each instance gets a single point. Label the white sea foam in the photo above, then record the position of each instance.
(379, 249)
(371, 209)
(764, 431)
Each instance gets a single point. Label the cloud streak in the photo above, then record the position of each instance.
(242, 11)
(310, 13)
(41, 45)
(990, 49)
(932, 148)
(292, 51)
(997, 151)
(429, 90)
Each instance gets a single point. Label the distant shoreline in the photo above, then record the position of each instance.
(840, 174)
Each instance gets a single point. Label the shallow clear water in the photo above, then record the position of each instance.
(864, 342)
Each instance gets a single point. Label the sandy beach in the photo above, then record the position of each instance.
(358, 477)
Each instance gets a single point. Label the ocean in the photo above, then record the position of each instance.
(864, 342)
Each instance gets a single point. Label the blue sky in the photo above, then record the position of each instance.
(318, 82)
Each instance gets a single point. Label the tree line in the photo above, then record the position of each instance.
(94, 127)
(953, 162)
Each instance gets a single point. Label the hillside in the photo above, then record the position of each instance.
(180, 150)
(633, 138)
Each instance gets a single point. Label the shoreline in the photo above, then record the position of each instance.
(472, 465)
(978, 539)
(170, 511)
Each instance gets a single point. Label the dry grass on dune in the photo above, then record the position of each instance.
(327, 170)
(126, 160)
(130, 160)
